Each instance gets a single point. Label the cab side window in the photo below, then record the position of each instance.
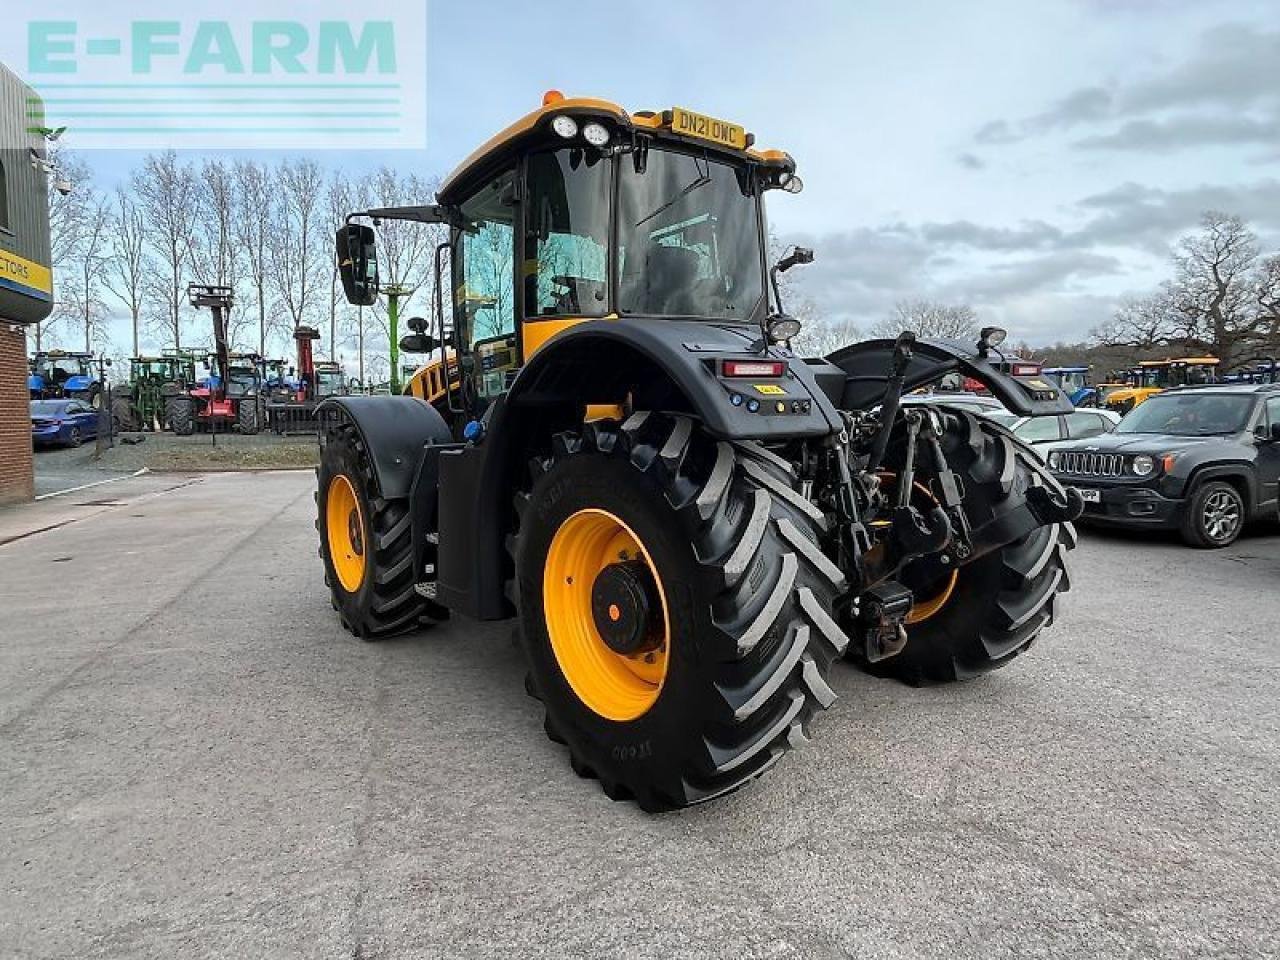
(484, 300)
(1273, 412)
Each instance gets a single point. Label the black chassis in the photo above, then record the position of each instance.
(463, 492)
(1247, 460)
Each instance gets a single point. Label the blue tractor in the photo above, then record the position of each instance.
(57, 375)
(1075, 382)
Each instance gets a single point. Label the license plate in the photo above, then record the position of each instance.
(691, 124)
(1090, 496)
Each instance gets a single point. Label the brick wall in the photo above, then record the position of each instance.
(16, 483)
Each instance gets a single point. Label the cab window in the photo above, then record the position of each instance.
(484, 304)
(1273, 411)
(567, 234)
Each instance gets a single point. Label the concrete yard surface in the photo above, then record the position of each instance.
(198, 762)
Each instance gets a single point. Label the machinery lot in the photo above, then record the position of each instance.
(198, 761)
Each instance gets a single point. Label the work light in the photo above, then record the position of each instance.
(595, 134)
(565, 126)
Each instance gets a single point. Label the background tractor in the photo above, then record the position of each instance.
(1150, 377)
(294, 410)
(56, 374)
(233, 395)
(613, 443)
(153, 381)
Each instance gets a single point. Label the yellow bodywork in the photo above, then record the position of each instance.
(615, 686)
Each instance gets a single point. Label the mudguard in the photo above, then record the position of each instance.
(866, 367)
(35, 383)
(394, 431)
(78, 384)
(586, 360)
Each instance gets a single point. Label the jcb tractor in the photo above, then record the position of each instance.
(689, 521)
(1150, 377)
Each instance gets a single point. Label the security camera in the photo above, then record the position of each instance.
(64, 187)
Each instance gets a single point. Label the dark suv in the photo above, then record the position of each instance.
(1204, 460)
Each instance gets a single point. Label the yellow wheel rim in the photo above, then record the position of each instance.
(344, 530)
(617, 686)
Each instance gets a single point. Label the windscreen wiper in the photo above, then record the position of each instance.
(702, 180)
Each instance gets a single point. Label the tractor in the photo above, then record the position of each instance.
(293, 410)
(613, 444)
(57, 374)
(152, 382)
(1075, 382)
(1150, 377)
(233, 395)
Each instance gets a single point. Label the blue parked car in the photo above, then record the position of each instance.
(65, 422)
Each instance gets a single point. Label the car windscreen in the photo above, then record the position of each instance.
(48, 408)
(1189, 414)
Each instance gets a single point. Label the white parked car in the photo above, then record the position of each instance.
(1050, 432)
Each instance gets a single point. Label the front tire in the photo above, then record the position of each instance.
(1213, 516)
(248, 418)
(739, 624)
(180, 414)
(366, 543)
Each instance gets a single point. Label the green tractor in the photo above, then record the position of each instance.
(688, 522)
(153, 381)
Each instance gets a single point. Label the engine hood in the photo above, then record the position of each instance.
(1134, 443)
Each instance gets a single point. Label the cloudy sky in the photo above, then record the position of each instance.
(1033, 159)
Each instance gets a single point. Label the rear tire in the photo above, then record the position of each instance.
(747, 593)
(382, 600)
(1001, 601)
(180, 414)
(125, 416)
(1213, 516)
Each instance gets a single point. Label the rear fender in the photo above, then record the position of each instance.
(866, 366)
(394, 431)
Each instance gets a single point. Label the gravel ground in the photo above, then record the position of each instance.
(203, 764)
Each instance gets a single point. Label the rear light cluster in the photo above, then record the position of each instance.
(753, 368)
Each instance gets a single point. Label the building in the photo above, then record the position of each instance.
(26, 278)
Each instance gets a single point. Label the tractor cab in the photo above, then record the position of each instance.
(1075, 382)
(55, 374)
(1150, 377)
(582, 211)
(329, 381)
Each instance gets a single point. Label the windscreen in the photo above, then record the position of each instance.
(1188, 415)
(689, 239)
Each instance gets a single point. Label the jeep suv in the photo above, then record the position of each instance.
(1202, 460)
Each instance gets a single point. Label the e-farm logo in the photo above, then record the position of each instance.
(275, 75)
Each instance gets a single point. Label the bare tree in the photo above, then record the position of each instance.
(294, 263)
(82, 304)
(168, 194)
(1221, 300)
(69, 214)
(929, 318)
(819, 338)
(253, 224)
(127, 261)
(216, 253)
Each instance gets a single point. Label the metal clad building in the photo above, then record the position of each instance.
(26, 282)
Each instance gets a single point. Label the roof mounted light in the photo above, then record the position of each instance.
(790, 182)
(990, 337)
(782, 328)
(596, 134)
(565, 126)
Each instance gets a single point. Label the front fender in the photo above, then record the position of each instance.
(394, 430)
(866, 366)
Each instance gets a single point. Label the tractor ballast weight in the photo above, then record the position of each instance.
(689, 520)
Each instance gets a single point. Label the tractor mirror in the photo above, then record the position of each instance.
(418, 343)
(418, 324)
(358, 264)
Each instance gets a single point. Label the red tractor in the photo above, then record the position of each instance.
(295, 412)
(232, 396)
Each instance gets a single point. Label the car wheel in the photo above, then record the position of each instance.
(1214, 516)
(75, 439)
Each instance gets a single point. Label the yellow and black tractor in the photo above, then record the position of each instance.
(614, 443)
(1150, 377)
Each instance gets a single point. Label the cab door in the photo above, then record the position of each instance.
(484, 302)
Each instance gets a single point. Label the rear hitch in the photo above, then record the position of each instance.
(881, 612)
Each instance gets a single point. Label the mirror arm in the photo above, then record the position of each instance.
(430, 213)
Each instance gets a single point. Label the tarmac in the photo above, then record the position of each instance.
(198, 762)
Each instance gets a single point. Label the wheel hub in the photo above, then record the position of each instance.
(623, 601)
